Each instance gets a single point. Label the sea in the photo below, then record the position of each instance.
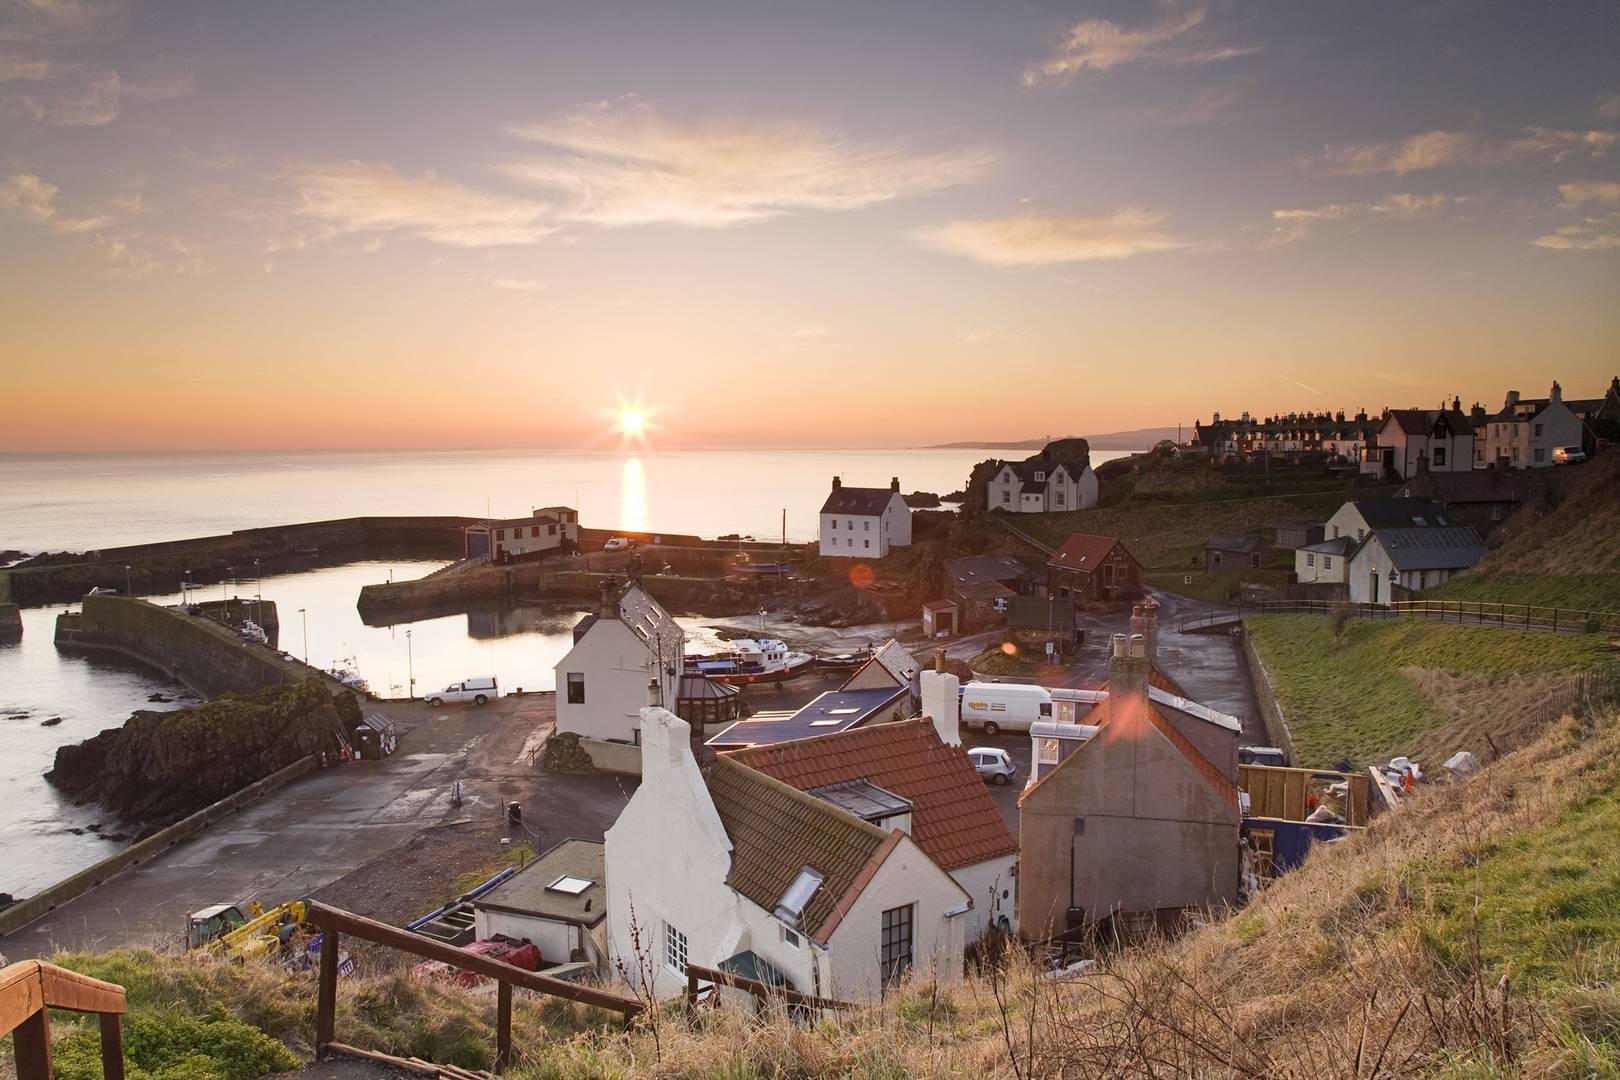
(80, 502)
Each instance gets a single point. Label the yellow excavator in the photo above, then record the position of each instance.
(244, 932)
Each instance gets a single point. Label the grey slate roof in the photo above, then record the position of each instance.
(1433, 548)
(1401, 513)
(835, 710)
(857, 502)
(1233, 542)
(973, 569)
(1339, 545)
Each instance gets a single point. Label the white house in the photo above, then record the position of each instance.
(864, 523)
(558, 903)
(1039, 485)
(741, 872)
(1442, 440)
(602, 681)
(544, 530)
(919, 763)
(1412, 557)
(1324, 562)
(1527, 430)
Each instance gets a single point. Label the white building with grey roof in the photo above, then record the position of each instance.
(864, 523)
(629, 641)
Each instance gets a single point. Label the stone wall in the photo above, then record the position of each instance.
(1271, 712)
(196, 651)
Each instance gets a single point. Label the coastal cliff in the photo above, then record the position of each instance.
(160, 766)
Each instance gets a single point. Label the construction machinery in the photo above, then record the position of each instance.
(244, 932)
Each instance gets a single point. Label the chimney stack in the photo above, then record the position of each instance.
(894, 483)
(665, 742)
(942, 703)
(1557, 394)
(838, 482)
(1128, 667)
(1512, 399)
(610, 599)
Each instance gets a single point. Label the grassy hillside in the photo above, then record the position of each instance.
(1562, 548)
(1407, 686)
(1472, 934)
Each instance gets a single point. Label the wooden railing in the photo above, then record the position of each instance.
(1466, 612)
(763, 991)
(30, 989)
(334, 922)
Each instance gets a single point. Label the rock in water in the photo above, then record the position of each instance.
(161, 766)
(52, 722)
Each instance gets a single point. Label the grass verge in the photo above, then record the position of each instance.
(1573, 592)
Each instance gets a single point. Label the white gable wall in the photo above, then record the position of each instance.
(985, 883)
(617, 665)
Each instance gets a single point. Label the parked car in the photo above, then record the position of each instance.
(618, 543)
(996, 707)
(1568, 455)
(478, 691)
(1262, 755)
(993, 764)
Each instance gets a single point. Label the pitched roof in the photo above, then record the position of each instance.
(776, 831)
(857, 501)
(897, 660)
(1447, 548)
(826, 714)
(1400, 513)
(1423, 421)
(954, 820)
(1083, 551)
(972, 569)
(648, 621)
(1478, 486)
(1339, 545)
(1234, 542)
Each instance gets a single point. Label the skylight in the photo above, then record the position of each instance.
(823, 723)
(569, 885)
(846, 711)
(798, 894)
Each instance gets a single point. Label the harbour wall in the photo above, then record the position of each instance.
(23, 912)
(191, 649)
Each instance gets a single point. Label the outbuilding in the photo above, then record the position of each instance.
(558, 903)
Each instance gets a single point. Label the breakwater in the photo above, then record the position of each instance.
(158, 567)
(197, 651)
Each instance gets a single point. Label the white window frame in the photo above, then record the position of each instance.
(676, 950)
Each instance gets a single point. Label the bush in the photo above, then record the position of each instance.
(171, 1045)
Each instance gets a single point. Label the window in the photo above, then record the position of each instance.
(866, 543)
(791, 937)
(1048, 751)
(576, 688)
(1006, 496)
(500, 534)
(534, 530)
(674, 950)
(1439, 456)
(1361, 534)
(1058, 500)
(1538, 431)
(1046, 708)
(1310, 560)
(1214, 558)
(569, 885)
(867, 525)
(1335, 532)
(1040, 477)
(1254, 559)
(895, 954)
(1541, 455)
(551, 530)
(1327, 562)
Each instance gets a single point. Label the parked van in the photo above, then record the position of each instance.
(993, 707)
(478, 691)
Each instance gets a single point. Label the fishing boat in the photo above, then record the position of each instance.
(844, 661)
(751, 661)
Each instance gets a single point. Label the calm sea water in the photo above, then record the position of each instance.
(73, 502)
(81, 502)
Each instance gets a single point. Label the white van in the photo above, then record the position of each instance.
(993, 707)
(478, 691)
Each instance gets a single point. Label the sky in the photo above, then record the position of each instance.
(409, 225)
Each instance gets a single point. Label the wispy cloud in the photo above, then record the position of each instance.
(1443, 149)
(25, 197)
(1307, 387)
(518, 284)
(15, 68)
(354, 197)
(621, 163)
(1177, 37)
(96, 98)
(1033, 240)
(1581, 192)
(1607, 106)
(1591, 234)
(1296, 223)
(51, 22)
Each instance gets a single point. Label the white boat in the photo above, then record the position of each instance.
(252, 631)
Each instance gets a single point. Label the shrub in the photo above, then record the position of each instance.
(171, 1045)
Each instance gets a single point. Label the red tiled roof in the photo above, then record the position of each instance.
(953, 818)
(1083, 551)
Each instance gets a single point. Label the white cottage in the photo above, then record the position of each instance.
(1040, 485)
(602, 682)
(1527, 430)
(741, 872)
(1439, 440)
(864, 523)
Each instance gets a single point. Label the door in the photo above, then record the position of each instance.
(1373, 574)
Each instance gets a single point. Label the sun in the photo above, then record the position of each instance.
(632, 422)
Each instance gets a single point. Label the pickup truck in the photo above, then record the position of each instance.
(478, 691)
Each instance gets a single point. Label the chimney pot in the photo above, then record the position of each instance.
(894, 483)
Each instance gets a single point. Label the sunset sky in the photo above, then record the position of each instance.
(265, 225)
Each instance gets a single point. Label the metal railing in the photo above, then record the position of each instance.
(335, 922)
(1466, 612)
(30, 989)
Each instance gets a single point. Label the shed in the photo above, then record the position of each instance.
(557, 902)
(1231, 551)
(941, 618)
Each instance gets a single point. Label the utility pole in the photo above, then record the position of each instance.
(410, 668)
(305, 613)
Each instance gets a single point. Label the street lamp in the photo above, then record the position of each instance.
(410, 668)
(305, 613)
(129, 590)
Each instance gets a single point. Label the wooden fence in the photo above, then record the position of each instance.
(29, 989)
(1466, 612)
(763, 991)
(335, 922)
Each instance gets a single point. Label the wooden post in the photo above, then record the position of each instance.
(112, 1046)
(326, 1008)
(503, 1024)
(31, 1046)
(691, 987)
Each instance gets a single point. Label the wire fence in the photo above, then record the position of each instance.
(1561, 620)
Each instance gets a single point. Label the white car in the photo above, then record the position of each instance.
(1568, 455)
(993, 764)
(477, 691)
(618, 543)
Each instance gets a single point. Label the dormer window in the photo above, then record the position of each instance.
(1040, 477)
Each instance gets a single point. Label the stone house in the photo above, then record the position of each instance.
(1232, 551)
(864, 523)
(738, 871)
(1091, 570)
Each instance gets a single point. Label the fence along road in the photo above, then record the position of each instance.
(1558, 620)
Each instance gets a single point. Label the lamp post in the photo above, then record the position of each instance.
(305, 613)
(129, 590)
(410, 668)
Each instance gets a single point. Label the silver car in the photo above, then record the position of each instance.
(993, 764)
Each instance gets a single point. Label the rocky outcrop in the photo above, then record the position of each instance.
(161, 766)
